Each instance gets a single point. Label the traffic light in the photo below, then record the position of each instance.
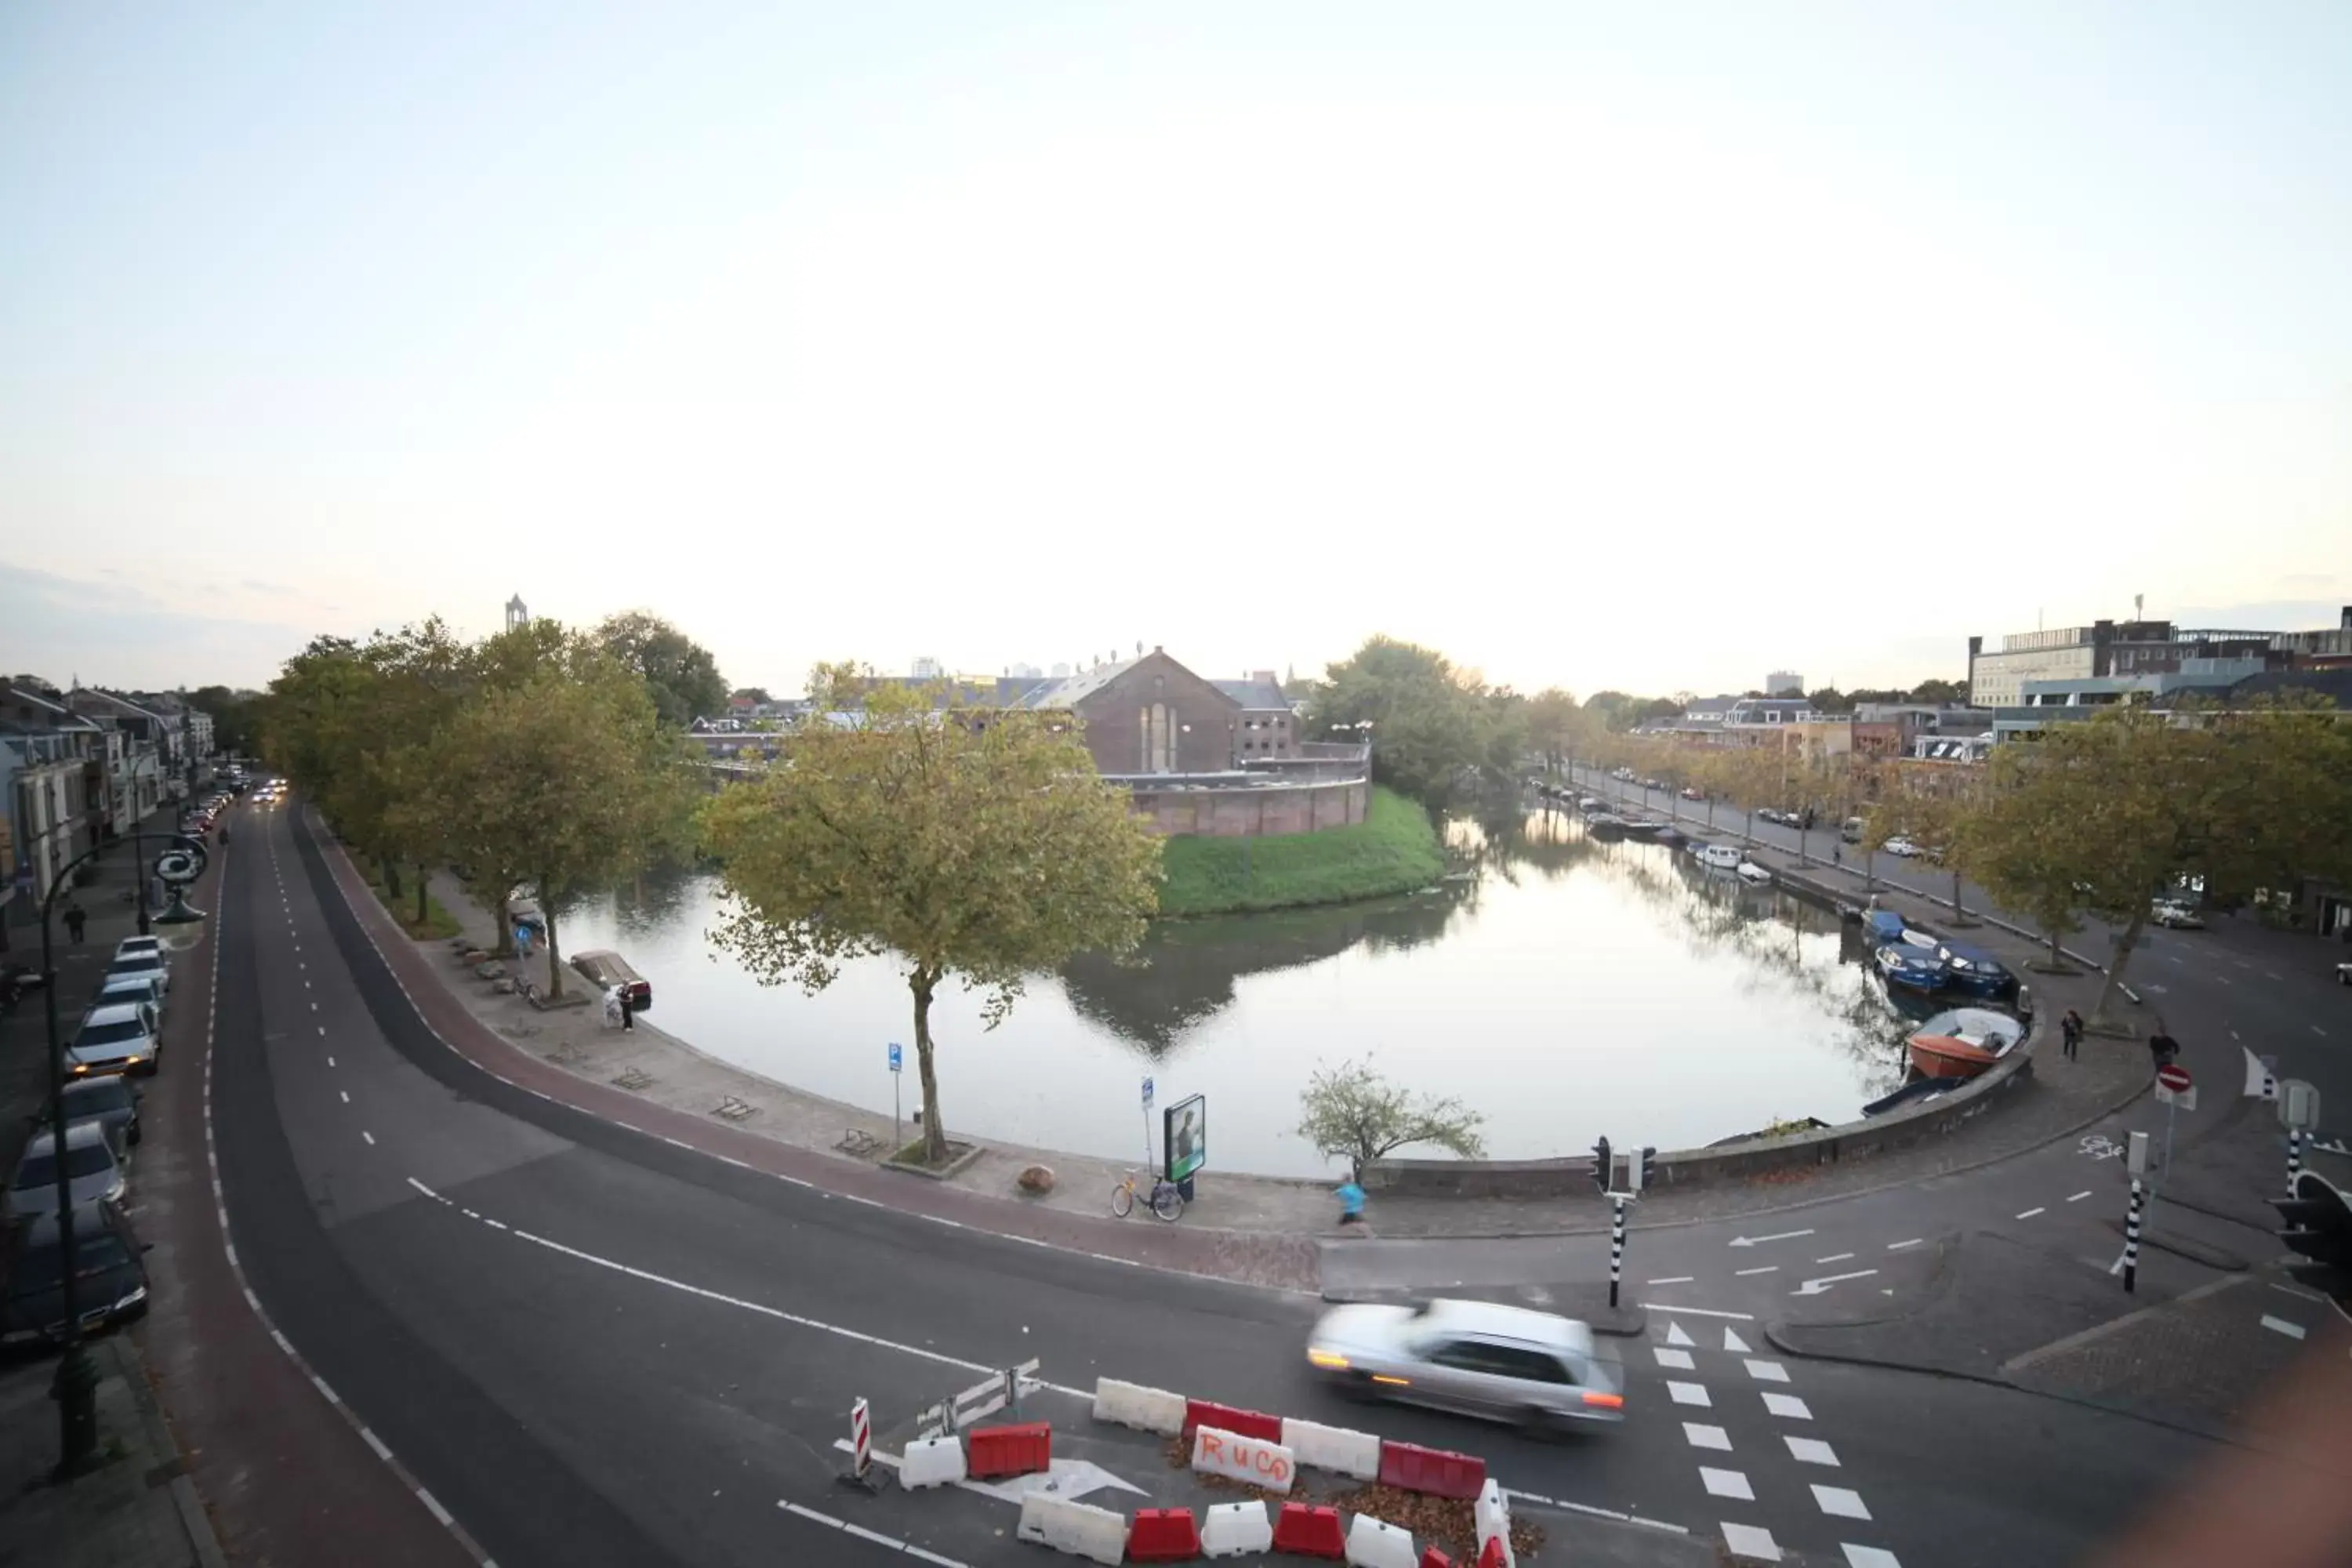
(1602, 1168)
(1649, 1169)
(2319, 1226)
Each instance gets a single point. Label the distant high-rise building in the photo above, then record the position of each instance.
(927, 669)
(1061, 671)
(517, 614)
(1024, 671)
(1784, 683)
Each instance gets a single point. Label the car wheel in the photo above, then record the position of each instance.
(1537, 1422)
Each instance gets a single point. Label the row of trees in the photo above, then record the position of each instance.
(1439, 733)
(537, 755)
(2090, 821)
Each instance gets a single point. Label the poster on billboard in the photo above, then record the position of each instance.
(1184, 1133)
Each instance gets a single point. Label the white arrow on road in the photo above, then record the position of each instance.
(1759, 1240)
(1815, 1286)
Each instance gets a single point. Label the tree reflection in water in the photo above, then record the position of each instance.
(1185, 971)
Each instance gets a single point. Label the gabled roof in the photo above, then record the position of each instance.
(1253, 694)
(1068, 691)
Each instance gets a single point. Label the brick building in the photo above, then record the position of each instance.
(1150, 715)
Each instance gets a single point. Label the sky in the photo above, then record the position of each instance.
(1647, 347)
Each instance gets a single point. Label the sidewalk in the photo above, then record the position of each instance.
(138, 1508)
(650, 1067)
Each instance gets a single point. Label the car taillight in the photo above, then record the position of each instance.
(1605, 1401)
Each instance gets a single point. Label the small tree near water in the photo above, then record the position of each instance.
(1352, 1112)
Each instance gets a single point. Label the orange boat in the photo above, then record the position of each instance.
(1954, 1055)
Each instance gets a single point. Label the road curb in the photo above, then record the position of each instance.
(131, 1362)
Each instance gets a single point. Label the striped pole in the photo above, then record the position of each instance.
(2293, 1157)
(861, 1441)
(2131, 1241)
(1616, 1244)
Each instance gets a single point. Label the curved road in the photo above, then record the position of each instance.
(594, 1345)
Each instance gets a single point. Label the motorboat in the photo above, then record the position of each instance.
(1963, 1042)
(1749, 871)
(1975, 971)
(1910, 965)
(1885, 926)
(1719, 856)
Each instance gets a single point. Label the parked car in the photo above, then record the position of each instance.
(92, 1171)
(2177, 915)
(118, 990)
(141, 963)
(110, 1102)
(1475, 1357)
(109, 1276)
(132, 946)
(124, 1037)
(1900, 846)
(1852, 829)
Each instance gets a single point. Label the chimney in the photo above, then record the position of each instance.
(2347, 618)
(1263, 677)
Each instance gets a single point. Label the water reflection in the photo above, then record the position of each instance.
(1185, 972)
(1562, 984)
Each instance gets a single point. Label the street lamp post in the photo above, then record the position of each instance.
(75, 1387)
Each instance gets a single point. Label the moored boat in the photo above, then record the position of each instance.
(1963, 1041)
(1912, 966)
(1749, 871)
(1974, 970)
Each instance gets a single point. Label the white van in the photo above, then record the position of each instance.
(1720, 857)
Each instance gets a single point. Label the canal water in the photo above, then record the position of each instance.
(1562, 986)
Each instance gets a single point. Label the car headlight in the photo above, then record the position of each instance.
(138, 1295)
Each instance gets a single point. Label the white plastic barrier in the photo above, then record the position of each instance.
(1492, 1515)
(930, 1462)
(1253, 1459)
(1079, 1528)
(1373, 1544)
(1145, 1409)
(1236, 1529)
(1356, 1454)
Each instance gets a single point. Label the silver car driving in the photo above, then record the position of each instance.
(1475, 1357)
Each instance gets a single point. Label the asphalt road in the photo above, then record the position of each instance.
(595, 1347)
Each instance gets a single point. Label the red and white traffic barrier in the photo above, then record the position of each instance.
(861, 1441)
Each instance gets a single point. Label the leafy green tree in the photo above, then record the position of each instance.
(1434, 726)
(236, 730)
(679, 671)
(1351, 1113)
(1555, 723)
(976, 844)
(566, 781)
(2105, 816)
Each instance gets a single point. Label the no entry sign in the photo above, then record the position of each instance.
(2174, 1076)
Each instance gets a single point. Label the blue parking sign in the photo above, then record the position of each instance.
(894, 1055)
(1147, 1094)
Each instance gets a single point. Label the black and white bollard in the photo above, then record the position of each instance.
(2293, 1157)
(1616, 1246)
(2131, 1240)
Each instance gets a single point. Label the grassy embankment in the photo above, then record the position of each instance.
(439, 925)
(1394, 849)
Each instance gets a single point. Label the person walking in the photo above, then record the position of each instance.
(628, 1008)
(2070, 1030)
(2162, 1047)
(1351, 1203)
(613, 1007)
(75, 921)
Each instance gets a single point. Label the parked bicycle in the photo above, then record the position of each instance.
(1165, 1201)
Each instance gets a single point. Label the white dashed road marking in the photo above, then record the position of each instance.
(1673, 1360)
(1810, 1451)
(368, 1136)
(1676, 1279)
(1834, 1257)
(1675, 1335)
(1689, 1394)
(1768, 1268)
(1726, 1483)
(1768, 1371)
(1840, 1502)
(1750, 1542)
(1702, 1435)
(2029, 1213)
(2078, 1197)
(1868, 1556)
(1788, 1406)
(1899, 1246)
(2281, 1326)
(1701, 1312)
(1733, 1343)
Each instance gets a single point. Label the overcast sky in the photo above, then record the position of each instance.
(1644, 346)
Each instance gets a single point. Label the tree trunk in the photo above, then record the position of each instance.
(503, 942)
(2054, 958)
(1956, 911)
(554, 967)
(1801, 841)
(422, 877)
(2124, 950)
(935, 1133)
(391, 878)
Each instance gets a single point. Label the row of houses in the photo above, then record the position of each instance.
(80, 768)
